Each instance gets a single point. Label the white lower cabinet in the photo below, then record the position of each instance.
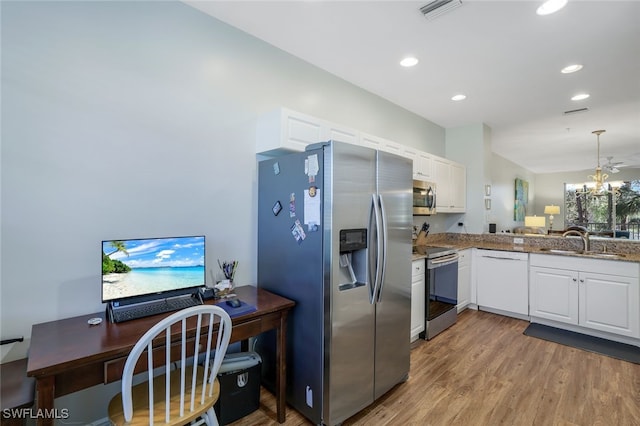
(502, 281)
(417, 298)
(598, 294)
(553, 294)
(464, 279)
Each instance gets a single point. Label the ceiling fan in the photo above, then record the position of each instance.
(612, 167)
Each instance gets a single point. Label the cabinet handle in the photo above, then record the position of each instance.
(575, 279)
(581, 281)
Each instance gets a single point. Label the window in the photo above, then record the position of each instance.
(615, 213)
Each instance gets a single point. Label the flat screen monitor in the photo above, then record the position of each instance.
(151, 266)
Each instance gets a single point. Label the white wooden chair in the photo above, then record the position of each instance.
(183, 393)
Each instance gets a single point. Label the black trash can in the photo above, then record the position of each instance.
(239, 378)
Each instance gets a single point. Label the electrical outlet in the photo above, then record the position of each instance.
(518, 241)
(460, 224)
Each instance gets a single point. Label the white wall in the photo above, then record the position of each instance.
(503, 176)
(126, 120)
(137, 119)
(471, 145)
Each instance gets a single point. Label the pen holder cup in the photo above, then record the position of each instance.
(225, 287)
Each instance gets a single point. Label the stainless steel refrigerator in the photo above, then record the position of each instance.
(334, 235)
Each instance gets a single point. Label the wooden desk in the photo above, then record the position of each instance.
(70, 355)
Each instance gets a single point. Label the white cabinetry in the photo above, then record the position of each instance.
(333, 132)
(597, 294)
(382, 144)
(553, 294)
(417, 298)
(451, 181)
(423, 166)
(412, 154)
(283, 131)
(458, 174)
(464, 279)
(502, 281)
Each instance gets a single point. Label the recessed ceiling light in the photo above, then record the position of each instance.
(580, 96)
(551, 6)
(571, 68)
(409, 61)
(459, 97)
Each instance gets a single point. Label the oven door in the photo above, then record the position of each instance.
(442, 284)
(424, 198)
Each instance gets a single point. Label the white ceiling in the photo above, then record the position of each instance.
(503, 56)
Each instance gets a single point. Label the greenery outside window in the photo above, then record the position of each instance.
(616, 213)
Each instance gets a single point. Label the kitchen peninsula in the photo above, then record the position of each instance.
(625, 250)
(594, 292)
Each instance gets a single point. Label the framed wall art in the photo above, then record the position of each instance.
(521, 200)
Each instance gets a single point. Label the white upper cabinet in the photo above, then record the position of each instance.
(423, 166)
(333, 132)
(412, 154)
(283, 131)
(451, 186)
(381, 144)
(458, 175)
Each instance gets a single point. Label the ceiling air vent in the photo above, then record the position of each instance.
(439, 7)
(575, 111)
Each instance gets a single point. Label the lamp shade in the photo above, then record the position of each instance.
(552, 209)
(535, 221)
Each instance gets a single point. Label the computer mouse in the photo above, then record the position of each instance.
(234, 303)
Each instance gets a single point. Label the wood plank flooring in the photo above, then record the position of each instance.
(484, 371)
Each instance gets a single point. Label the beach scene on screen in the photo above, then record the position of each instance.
(137, 267)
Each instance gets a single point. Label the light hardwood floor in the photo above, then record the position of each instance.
(484, 371)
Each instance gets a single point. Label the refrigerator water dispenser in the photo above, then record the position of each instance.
(353, 256)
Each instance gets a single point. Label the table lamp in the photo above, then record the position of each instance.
(551, 210)
(535, 222)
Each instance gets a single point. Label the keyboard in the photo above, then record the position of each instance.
(142, 310)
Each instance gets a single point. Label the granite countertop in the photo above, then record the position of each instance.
(626, 252)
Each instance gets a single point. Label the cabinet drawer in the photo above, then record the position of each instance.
(114, 368)
(417, 268)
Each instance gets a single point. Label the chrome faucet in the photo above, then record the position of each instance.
(583, 235)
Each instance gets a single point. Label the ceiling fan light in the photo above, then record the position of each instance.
(551, 6)
(571, 68)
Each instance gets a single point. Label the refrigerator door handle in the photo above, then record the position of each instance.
(384, 239)
(377, 271)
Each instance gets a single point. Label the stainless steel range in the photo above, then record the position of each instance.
(441, 290)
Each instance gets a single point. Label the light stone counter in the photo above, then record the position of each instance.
(627, 251)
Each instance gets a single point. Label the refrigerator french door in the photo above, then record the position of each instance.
(334, 235)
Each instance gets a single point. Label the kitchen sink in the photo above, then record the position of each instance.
(560, 251)
(607, 255)
(585, 253)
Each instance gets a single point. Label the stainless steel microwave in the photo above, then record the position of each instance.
(424, 198)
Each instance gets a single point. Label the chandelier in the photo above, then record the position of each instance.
(597, 187)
